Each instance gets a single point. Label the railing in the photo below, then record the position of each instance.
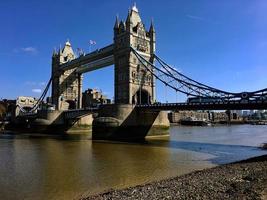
(230, 105)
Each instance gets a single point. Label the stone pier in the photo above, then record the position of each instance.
(55, 122)
(126, 122)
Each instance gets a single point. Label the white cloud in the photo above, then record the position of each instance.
(42, 83)
(33, 83)
(29, 49)
(202, 19)
(194, 17)
(36, 90)
(30, 83)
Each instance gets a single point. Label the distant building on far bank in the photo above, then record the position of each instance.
(177, 116)
(94, 97)
(217, 117)
(6, 106)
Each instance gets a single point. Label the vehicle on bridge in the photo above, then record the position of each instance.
(205, 99)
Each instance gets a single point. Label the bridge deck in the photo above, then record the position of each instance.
(231, 105)
(93, 58)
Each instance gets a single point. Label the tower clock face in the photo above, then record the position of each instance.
(142, 44)
(141, 40)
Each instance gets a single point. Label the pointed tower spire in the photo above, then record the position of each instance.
(68, 43)
(59, 50)
(134, 8)
(116, 25)
(122, 26)
(54, 51)
(128, 20)
(152, 29)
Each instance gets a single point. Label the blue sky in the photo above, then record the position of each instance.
(220, 43)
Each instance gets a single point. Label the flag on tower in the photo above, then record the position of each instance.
(80, 51)
(92, 42)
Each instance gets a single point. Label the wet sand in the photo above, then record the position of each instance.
(241, 180)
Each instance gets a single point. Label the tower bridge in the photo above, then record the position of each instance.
(136, 68)
(130, 75)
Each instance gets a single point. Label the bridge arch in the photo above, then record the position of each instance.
(141, 96)
(72, 104)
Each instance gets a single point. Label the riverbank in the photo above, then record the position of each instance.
(242, 180)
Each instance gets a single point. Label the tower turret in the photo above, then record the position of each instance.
(116, 25)
(54, 52)
(66, 54)
(134, 16)
(122, 27)
(152, 35)
(152, 29)
(129, 23)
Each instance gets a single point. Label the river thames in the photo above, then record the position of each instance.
(55, 167)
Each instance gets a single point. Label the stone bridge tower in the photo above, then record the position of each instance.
(134, 84)
(66, 85)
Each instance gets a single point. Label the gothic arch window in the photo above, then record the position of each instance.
(133, 74)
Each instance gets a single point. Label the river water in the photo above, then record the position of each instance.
(50, 167)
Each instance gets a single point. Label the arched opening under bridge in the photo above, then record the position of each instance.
(72, 104)
(141, 97)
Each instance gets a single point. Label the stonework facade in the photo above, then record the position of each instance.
(133, 82)
(66, 85)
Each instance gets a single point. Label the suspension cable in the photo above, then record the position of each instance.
(41, 98)
(142, 60)
(161, 62)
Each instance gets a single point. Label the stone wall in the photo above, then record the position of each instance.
(128, 122)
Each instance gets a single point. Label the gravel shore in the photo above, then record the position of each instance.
(242, 180)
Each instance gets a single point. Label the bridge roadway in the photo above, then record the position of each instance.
(95, 60)
(230, 105)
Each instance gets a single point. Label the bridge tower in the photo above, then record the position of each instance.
(133, 83)
(66, 85)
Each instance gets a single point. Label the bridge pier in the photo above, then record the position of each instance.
(55, 122)
(127, 122)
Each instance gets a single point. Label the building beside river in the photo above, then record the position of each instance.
(177, 116)
(216, 117)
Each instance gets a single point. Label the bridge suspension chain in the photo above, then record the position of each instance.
(191, 85)
(181, 83)
(173, 71)
(169, 80)
(220, 93)
(41, 98)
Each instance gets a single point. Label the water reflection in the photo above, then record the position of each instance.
(68, 167)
